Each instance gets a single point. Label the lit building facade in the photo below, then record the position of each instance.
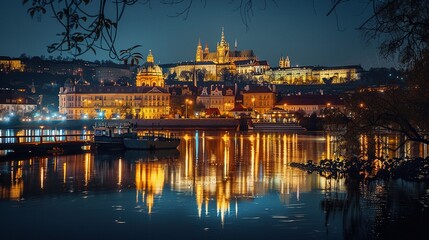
(12, 104)
(147, 100)
(185, 70)
(259, 98)
(8, 64)
(214, 64)
(313, 75)
(110, 102)
(295, 75)
(338, 74)
(219, 97)
(310, 104)
(223, 53)
(251, 67)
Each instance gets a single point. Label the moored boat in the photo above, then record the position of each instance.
(152, 141)
(113, 135)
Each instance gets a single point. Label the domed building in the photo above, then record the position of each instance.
(118, 100)
(149, 73)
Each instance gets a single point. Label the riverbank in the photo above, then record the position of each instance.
(141, 124)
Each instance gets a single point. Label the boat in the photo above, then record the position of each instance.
(152, 141)
(112, 135)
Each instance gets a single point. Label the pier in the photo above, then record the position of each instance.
(13, 146)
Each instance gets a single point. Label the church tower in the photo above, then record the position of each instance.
(206, 49)
(222, 50)
(287, 62)
(150, 74)
(282, 62)
(199, 55)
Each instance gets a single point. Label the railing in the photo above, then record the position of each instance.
(46, 138)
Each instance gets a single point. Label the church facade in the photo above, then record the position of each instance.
(223, 53)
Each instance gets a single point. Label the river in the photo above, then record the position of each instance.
(216, 185)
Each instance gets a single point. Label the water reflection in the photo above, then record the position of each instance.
(222, 166)
(226, 174)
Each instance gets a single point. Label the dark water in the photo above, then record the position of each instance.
(217, 185)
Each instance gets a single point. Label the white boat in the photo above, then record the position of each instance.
(152, 141)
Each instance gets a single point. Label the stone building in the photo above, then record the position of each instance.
(147, 100)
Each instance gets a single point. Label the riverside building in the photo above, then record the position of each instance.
(147, 100)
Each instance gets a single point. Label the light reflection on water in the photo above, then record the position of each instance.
(217, 185)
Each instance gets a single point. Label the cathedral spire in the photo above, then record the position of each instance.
(222, 39)
(199, 54)
(287, 62)
(206, 49)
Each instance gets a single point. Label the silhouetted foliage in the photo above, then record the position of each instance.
(90, 26)
(402, 26)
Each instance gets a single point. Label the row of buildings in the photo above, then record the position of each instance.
(150, 98)
(240, 62)
(207, 66)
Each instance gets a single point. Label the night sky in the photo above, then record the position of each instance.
(299, 29)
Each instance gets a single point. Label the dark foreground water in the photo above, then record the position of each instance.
(217, 185)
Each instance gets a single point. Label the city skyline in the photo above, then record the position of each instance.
(300, 30)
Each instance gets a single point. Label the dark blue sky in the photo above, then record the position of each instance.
(299, 29)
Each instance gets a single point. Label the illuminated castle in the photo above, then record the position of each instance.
(223, 53)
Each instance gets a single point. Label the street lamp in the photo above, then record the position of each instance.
(187, 101)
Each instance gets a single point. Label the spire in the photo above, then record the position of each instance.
(206, 49)
(199, 54)
(281, 62)
(222, 39)
(287, 62)
(149, 57)
(235, 45)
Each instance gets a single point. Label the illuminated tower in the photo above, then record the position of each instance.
(282, 62)
(287, 62)
(206, 49)
(199, 54)
(222, 50)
